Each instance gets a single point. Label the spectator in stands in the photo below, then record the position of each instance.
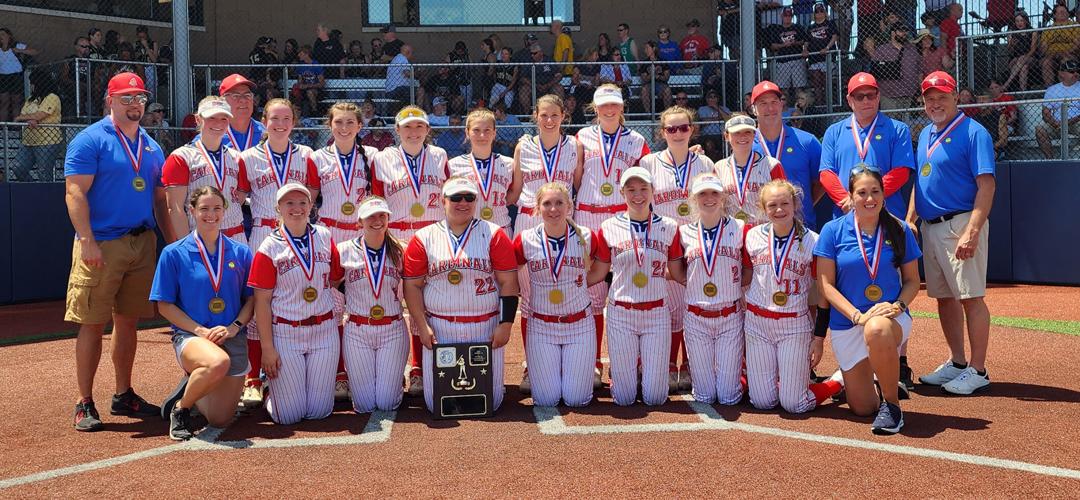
(822, 37)
(747, 107)
(564, 46)
(496, 42)
(146, 49)
(993, 120)
(579, 87)
(603, 47)
(575, 114)
(627, 46)
(769, 12)
(617, 72)
(681, 99)
(356, 56)
(524, 54)
(327, 49)
(462, 73)
(712, 73)
(667, 49)
(13, 56)
(659, 87)
(897, 69)
(379, 138)
(444, 84)
(931, 57)
(482, 76)
(376, 54)
(789, 45)
(997, 94)
(40, 144)
(75, 69)
(712, 132)
(508, 130)
(289, 55)
(453, 138)
(1022, 48)
(694, 46)
(950, 26)
(97, 43)
(1058, 44)
(310, 80)
(367, 115)
(504, 79)
(966, 97)
(399, 78)
(113, 39)
(391, 46)
(930, 25)
(265, 52)
(590, 73)
(438, 116)
(870, 14)
(842, 15)
(154, 123)
(548, 76)
(1066, 88)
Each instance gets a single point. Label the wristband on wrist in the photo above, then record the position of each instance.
(821, 325)
(508, 308)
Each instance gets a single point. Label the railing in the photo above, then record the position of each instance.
(81, 83)
(966, 58)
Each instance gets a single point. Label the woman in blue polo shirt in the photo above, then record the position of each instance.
(201, 288)
(869, 271)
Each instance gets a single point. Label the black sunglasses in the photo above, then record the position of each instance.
(457, 198)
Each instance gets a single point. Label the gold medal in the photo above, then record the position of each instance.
(348, 208)
(217, 305)
(779, 298)
(925, 172)
(377, 312)
(684, 209)
(743, 216)
(487, 213)
(640, 279)
(709, 289)
(454, 277)
(139, 184)
(310, 294)
(607, 189)
(555, 296)
(873, 293)
(417, 210)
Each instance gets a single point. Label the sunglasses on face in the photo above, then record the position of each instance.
(678, 128)
(663, 32)
(128, 100)
(869, 96)
(459, 197)
(247, 96)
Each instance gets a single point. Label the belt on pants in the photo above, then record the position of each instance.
(597, 209)
(466, 319)
(765, 313)
(945, 218)
(270, 223)
(640, 306)
(526, 210)
(406, 226)
(233, 231)
(357, 319)
(569, 318)
(309, 321)
(348, 226)
(705, 313)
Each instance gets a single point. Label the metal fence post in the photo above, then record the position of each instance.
(7, 162)
(78, 88)
(412, 87)
(652, 90)
(1063, 129)
(532, 69)
(209, 80)
(969, 47)
(748, 56)
(182, 94)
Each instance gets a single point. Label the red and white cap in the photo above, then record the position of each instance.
(232, 81)
(458, 185)
(373, 205)
(607, 95)
(290, 187)
(126, 83)
(635, 173)
(939, 80)
(860, 80)
(215, 106)
(764, 87)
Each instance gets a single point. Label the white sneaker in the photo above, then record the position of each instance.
(967, 382)
(252, 396)
(416, 385)
(597, 379)
(525, 387)
(838, 377)
(942, 375)
(341, 390)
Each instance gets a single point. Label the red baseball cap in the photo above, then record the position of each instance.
(762, 88)
(939, 80)
(232, 81)
(860, 80)
(126, 83)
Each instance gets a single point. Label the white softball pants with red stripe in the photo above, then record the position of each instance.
(778, 362)
(375, 357)
(714, 347)
(452, 333)
(634, 335)
(561, 358)
(304, 386)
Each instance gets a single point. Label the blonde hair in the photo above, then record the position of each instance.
(591, 107)
(199, 120)
(796, 201)
(479, 114)
(553, 188)
(412, 107)
(675, 111)
(394, 248)
(695, 212)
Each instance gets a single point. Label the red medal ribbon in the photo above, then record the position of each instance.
(862, 147)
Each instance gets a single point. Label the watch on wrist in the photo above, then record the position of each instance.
(238, 324)
(901, 304)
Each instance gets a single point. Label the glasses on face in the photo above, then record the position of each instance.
(537, 53)
(663, 32)
(246, 96)
(678, 128)
(128, 100)
(459, 197)
(867, 96)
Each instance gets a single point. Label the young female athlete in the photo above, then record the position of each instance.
(745, 171)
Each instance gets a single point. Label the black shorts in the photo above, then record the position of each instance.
(11, 83)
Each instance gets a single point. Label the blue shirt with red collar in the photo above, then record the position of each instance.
(945, 182)
(889, 148)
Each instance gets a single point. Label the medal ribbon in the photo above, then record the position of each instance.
(307, 259)
(216, 167)
(639, 248)
(554, 264)
(375, 270)
(871, 268)
(709, 251)
(457, 244)
(281, 174)
(484, 178)
(682, 172)
(779, 144)
(551, 160)
(247, 137)
(212, 270)
(785, 250)
(134, 158)
(862, 147)
(607, 157)
(416, 173)
(742, 184)
(347, 172)
(956, 121)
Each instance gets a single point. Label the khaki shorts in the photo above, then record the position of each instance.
(122, 286)
(946, 276)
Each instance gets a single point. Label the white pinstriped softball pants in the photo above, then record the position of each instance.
(304, 387)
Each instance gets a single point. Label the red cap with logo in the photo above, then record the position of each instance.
(860, 80)
(232, 81)
(939, 80)
(126, 83)
(762, 88)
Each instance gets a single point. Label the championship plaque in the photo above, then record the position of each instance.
(463, 380)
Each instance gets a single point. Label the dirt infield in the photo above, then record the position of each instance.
(1018, 439)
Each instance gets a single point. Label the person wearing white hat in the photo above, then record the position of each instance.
(712, 246)
(292, 270)
(410, 177)
(207, 161)
(608, 149)
(461, 283)
(745, 170)
(376, 341)
(641, 248)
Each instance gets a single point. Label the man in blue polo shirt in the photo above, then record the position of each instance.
(244, 132)
(954, 190)
(112, 171)
(798, 151)
(867, 138)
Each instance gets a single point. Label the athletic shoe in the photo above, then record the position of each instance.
(838, 377)
(173, 397)
(942, 374)
(889, 419)
(416, 385)
(86, 417)
(673, 382)
(597, 379)
(180, 424)
(341, 390)
(131, 405)
(906, 377)
(684, 380)
(252, 396)
(967, 383)
(902, 390)
(525, 387)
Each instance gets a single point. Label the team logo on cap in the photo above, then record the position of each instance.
(862, 78)
(133, 82)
